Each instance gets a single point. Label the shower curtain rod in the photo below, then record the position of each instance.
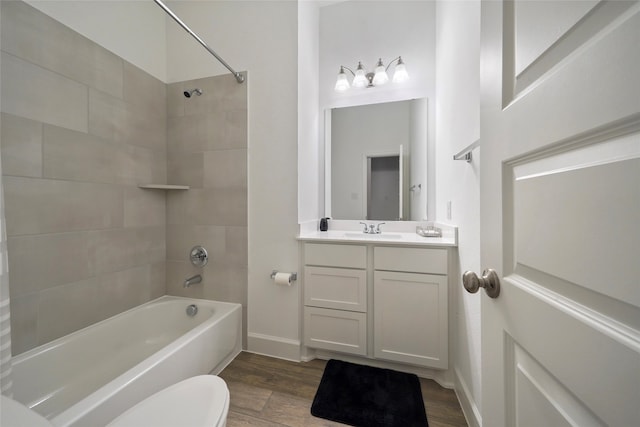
(239, 77)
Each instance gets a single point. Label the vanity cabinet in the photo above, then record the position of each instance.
(410, 306)
(380, 301)
(335, 297)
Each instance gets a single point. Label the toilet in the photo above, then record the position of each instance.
(201, 401)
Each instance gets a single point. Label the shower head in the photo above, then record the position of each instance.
(188, 93)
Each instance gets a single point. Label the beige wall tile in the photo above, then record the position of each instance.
(181, 238)
(225, 169)
(177, 273)
(144, 207)
(186, 169)
(158, 281)
(37, 38)
(144, 90)
(36, 206)
(226, 283)
(21, 146)
(120, 291)
(116, 120)
(35, 93)
(237, 243)
(78, 156)
(220, 93)
(208, 207)
(138, 165)
(226, 245)
(24, 323)
(67, 308)
(176, 98)
(222, 130)
(43, 261)
(123, 248)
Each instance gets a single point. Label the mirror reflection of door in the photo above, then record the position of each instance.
(383, 188)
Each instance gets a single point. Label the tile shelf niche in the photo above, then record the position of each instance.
(164, 187)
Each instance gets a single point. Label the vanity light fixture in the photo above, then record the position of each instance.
(362, 78)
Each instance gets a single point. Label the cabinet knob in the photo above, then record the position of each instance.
(489, 281)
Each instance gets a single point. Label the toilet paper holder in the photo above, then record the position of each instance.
(294, 276)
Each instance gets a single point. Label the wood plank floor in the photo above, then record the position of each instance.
(266, 391)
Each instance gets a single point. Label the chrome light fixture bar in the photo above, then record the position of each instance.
(362, 78)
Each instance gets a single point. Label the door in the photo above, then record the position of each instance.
(383, 175)
(560, 212)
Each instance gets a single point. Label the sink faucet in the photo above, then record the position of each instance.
(192, 280)
(371, 229)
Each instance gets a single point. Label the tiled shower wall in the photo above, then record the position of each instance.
(207, 150)
(80, 129)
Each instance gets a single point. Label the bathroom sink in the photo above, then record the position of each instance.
(381, 236)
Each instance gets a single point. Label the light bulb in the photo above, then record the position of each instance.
(342, 83)
(360, 79)
(381, 76)
(400, 74)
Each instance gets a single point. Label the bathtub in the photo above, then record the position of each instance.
(89, 377)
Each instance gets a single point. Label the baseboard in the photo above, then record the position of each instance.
(467, 403)
(269, 345)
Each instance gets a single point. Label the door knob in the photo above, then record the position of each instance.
(489, 281)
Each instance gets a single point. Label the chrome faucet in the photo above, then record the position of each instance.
(192, 280)
(371, 229)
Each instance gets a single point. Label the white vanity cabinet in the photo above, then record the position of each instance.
(382, 301)
(410, 306)
(335, 297)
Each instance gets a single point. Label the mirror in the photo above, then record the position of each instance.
(376, 161)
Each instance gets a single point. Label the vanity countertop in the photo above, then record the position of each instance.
(386, 238)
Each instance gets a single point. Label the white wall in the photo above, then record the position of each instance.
(364, 31)
(458, 125)
(133, 30)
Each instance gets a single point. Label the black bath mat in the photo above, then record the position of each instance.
(365, 396)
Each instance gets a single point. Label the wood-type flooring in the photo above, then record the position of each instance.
(271, 392)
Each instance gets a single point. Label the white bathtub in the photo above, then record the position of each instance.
(89, 377)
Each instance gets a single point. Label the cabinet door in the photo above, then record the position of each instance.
(410, 318)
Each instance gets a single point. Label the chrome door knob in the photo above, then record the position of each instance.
(489, 281)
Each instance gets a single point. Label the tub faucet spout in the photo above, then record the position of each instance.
(192, 280)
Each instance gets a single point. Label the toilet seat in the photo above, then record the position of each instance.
(201, 401)
(15, 414)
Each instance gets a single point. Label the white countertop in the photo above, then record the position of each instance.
(392, 236)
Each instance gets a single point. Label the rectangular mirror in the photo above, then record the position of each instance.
(376, 161)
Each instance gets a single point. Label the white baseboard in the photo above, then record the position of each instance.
(469, 407)
(282, 348)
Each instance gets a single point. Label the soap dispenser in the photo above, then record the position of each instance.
(324, 224)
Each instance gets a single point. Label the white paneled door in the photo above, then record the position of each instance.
(560, 212)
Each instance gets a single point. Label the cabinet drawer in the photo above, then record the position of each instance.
(412, 260)
(336, 330)
(335, 255)
(339, 288)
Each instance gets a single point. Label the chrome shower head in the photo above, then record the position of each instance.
(188, 93)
